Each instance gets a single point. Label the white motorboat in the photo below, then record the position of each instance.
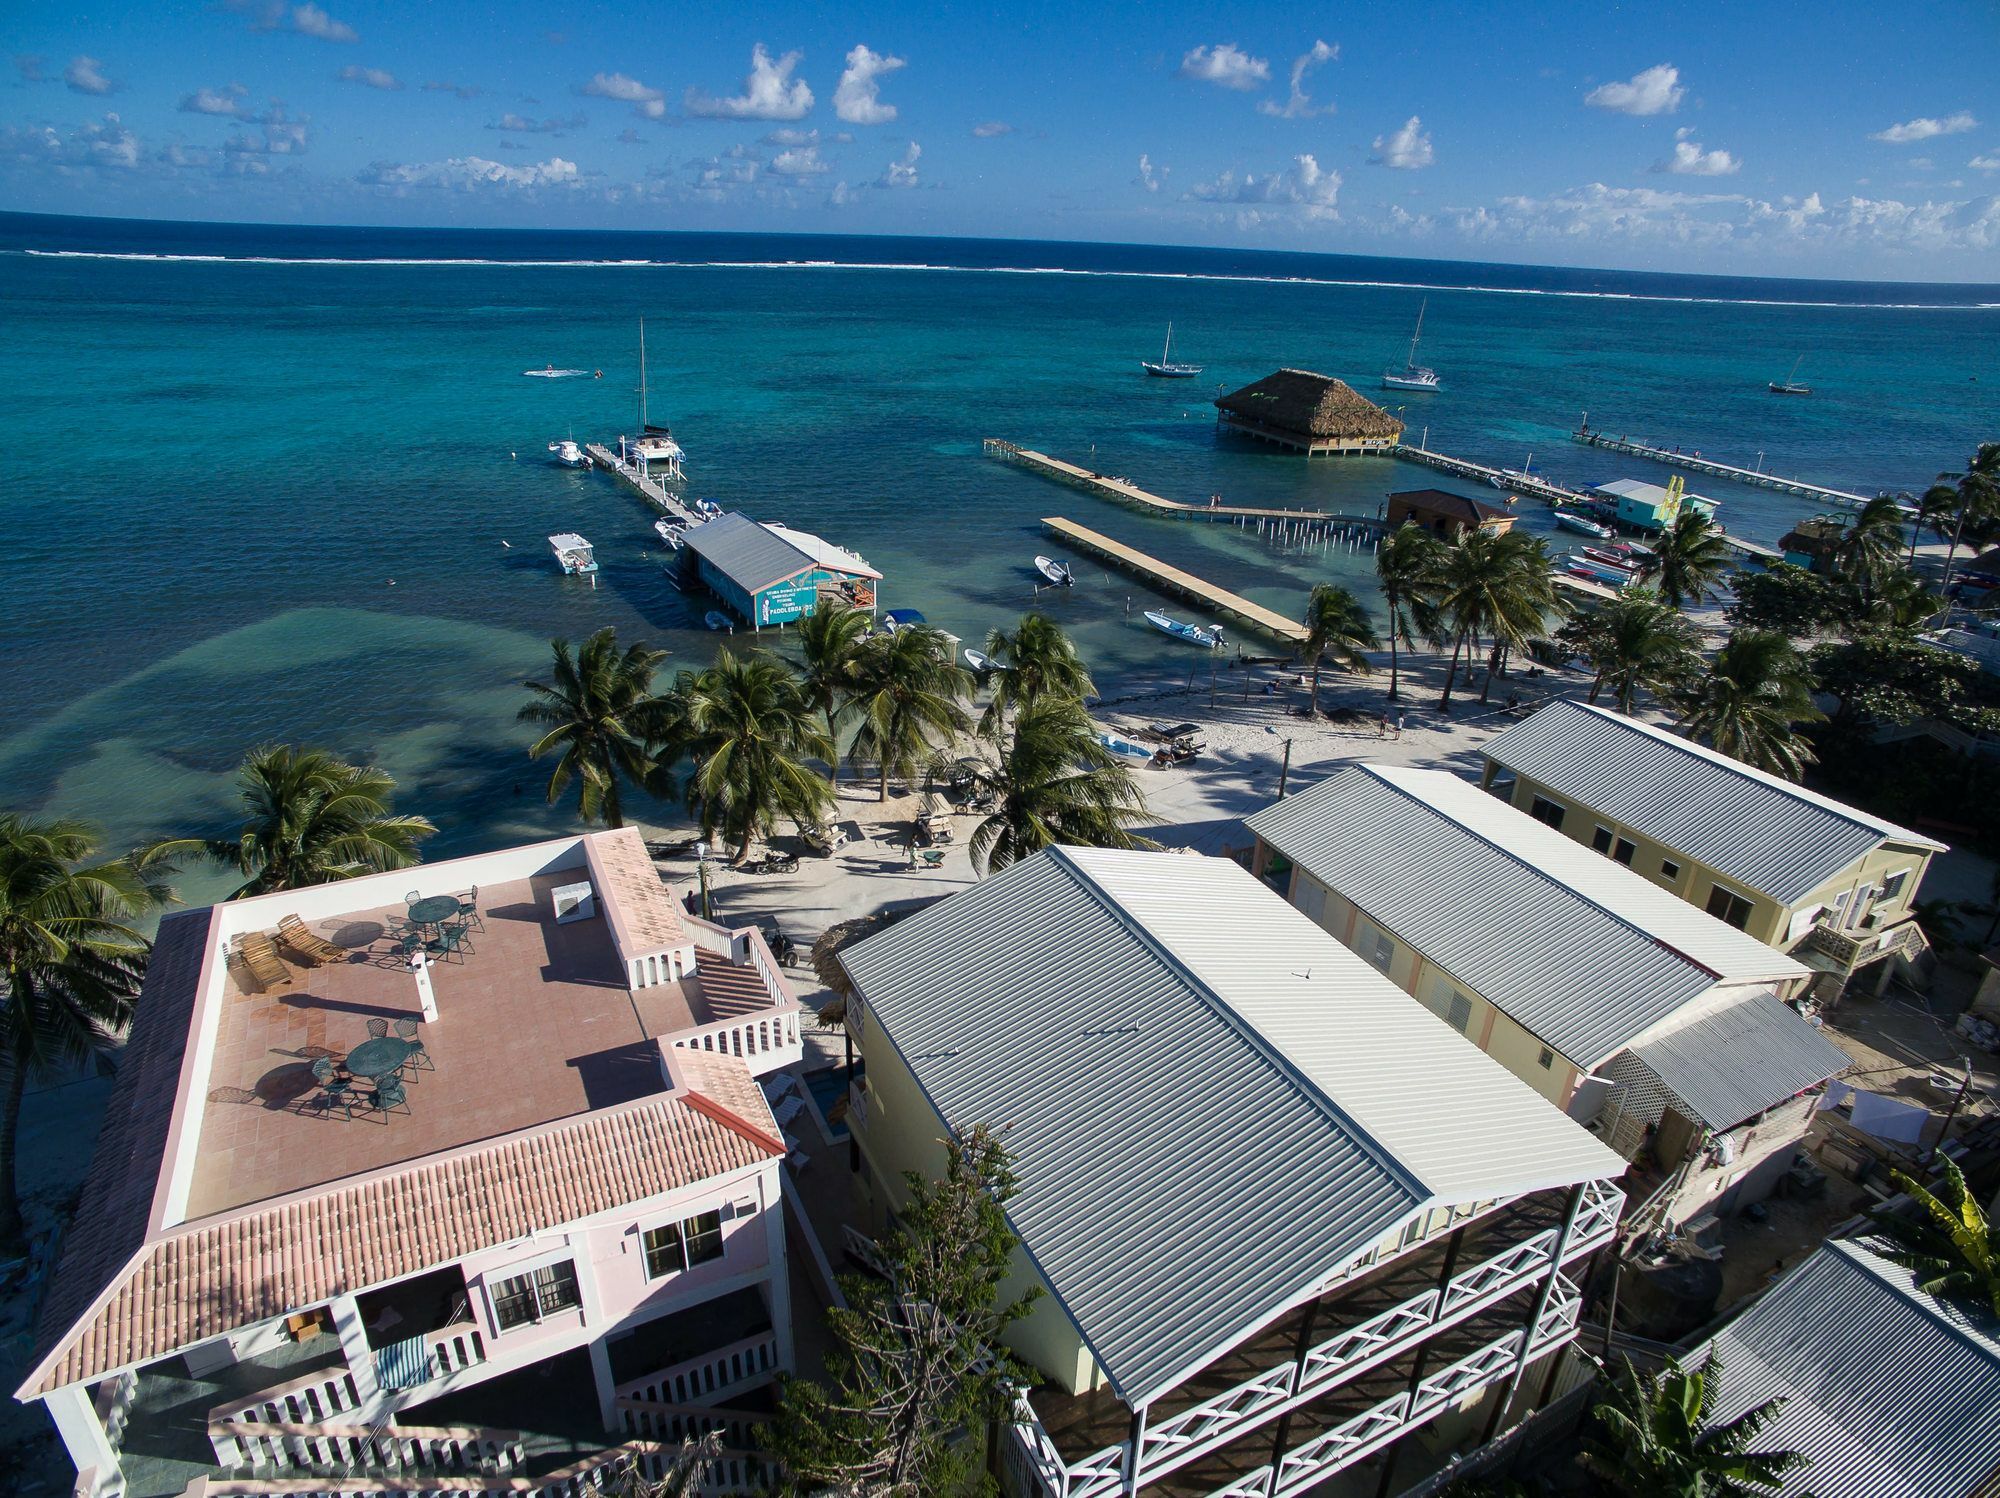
(569, 454)
(668, 532)
(1413, 376)
(1209, 638)
(979, 660)
(573, 553)
(550, 372)
(1056, 572)
(1576, 520)
(1164, 368)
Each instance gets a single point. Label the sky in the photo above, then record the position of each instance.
(1837, 139)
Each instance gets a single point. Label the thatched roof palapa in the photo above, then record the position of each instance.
(1315, 405)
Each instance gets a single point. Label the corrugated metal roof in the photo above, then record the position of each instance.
(748, 553)
(1211, 1103)
(1892, 1393)
(1741, 1060)
(1581, 951)
(1744, 823)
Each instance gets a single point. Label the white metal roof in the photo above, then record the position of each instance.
(1776, 837)
(1740, 1060)
(1213, 1106)
(1893, 1393)
(837, 558)
(1580, 950)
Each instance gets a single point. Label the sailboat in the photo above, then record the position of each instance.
(654, 450)
(1165, 368)
(1412, 376)
(1791, 385)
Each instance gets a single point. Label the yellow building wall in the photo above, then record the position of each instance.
(904, 1133)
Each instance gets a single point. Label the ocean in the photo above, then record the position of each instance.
(256, 481)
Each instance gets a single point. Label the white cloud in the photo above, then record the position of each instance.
(988, 129)
(902, 173)
(797, 161)
(769, 92)
(838, 197)
(1689, 160)
(463, 90)
(380, 78)
(85, 75)
(1925, 128)
(1987, 163)
(1151, 177)
(522, 125)
(94, 145)
(227, 102)
(857, 98)
(1407, 149)
(1298, 106)
(1227, 66)
(279, 135)
(1655, 91)
(649, 103)
(1304, 184)
(469, 174)
(790, 137)
(310, 20)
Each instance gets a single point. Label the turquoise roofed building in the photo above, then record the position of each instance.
(769, 574)
(1653, 507)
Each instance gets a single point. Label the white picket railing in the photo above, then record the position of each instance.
(766, 1042)
(734, 1473)
(710, 1377)
(310, 1399)
(285, 1447)
(455, 1348)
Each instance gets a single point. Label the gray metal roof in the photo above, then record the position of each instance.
(1213, 1106)
(749, 554)
(1737, 1062)
(1892, 1393)
(1746, 824)
(1581, 951)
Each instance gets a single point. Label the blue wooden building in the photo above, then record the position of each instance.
(769, 574)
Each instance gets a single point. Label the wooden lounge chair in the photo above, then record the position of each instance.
(310, 945)
(260, 955)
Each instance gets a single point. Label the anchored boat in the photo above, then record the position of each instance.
(1164, 367)
(1194, 634)
(1413, 376)
(1576, 520)
(573, 553)
(1056, 572)
(1790, 384)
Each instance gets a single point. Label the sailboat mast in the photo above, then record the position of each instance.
(1166, 354)
(1414, 337)
(642, 376)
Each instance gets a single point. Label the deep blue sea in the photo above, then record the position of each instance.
(256, 480)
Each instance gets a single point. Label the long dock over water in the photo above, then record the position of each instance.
(1512, 483)
(1756, 478)
(1171, 579)
(647, 488)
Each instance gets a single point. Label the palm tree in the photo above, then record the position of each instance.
(602, 714)
(831, 639)
(1336, 625)
(310, 818)
(1949, 1240)
(1409, 564)
(1751, 700)
(910, 696)
(1035, 659)
(1497, 586)
(1934, 508)
(1637, 640)
(1895, 600)
(1689, 559)
(1870, 547)
(70, 963)
(1654, 1436)
(1058, 783)
(751, 729)
(1973, 495)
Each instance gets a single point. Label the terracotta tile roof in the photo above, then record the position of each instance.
(212, 1276)
(643, 913)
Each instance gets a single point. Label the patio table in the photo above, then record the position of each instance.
(378, 1058)
(434, 910)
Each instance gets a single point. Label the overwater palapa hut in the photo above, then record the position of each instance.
(1314, 413)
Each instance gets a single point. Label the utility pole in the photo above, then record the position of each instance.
(1964, 1086)
(1285, 770)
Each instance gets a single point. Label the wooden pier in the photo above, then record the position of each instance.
(1124, 491)
(1751, 476)
(650, 489)
(1171, 579)
(1464, 468)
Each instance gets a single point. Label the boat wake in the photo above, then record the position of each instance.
(555, 374)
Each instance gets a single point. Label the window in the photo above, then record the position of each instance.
(1545, 810)
(1383, 952)
(1546, 1059)
(1624, 850)
(1893, 885)
(1669, 869)
(537, 1294)
(1502, 784)
(1728, 906)
(674, 1246)
(1601, 839)
(1461, 1012)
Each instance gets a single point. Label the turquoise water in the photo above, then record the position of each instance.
(250, 500)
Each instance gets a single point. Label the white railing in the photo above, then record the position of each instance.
(1348, 1353)
(734, 1472)
(765, 1042)
(455, 1348)
(646, 1420)
(863, 1249)
(706, 1379)
(283, 1447)
(311, 1399)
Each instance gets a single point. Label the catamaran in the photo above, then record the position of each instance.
(1164, 367)
(1413, 376)
(573, 553)
(1791, 385)
(654, 450)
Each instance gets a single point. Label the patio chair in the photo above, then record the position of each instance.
(419, 1059)
(452, 939)
(377, 1028)
(413, 896)
(468, 909)
(335, 1091)
(260, 955)
(388, 1096)
(308, 944)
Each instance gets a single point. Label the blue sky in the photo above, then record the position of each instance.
(1837, 139)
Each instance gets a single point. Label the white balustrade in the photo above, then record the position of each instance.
(705, 1379)
(766, 1042)
(455, 1348)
